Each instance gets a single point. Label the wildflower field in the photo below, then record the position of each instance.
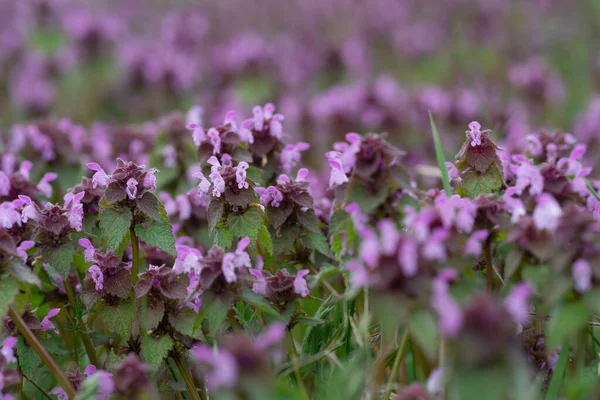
(300, 200)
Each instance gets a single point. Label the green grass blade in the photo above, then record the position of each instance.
(592, 190)
(439, 154)
(558, 375)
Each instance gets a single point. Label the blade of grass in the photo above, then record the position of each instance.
(441, 159)
(558, 375)
(592, 190)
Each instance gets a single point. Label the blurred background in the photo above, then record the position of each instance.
(91, 80)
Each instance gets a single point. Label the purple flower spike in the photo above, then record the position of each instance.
(44, 184)
(89, 251)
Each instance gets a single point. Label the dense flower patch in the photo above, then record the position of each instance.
(238, 202)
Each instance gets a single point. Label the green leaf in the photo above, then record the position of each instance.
(184, 322)
(215, 312)
(23, 273)
(156, 349)
(318, 242)
(119, 318)
(264, 239)
(424, 331)
(308, 220)
(223, 238)
(558, 374)
(215, 212)
(259, 302)
(566, 321)
(158, 234)
(441, 159)
(150, 205)
(592, 190)
(9, 288)
(246, 224)
(365, 198)
(60, 258)
(475, 183)
(115, 225)
(28, 358)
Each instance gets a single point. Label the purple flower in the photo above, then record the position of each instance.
(449, 312)
(46, 324)
(188, 260)
(260, 285)
(215, 140)
(44, 184)
(223, 369)
(338, 176)
(9, 216)
(240, 175)
(7, 349)
(547, 212)
(273, 335)
(131, 190)
(233, 261)
(516, 302)
(434, 248)
(100, 177)
(270, 196)
(528, 175)
(300, 286)
(291, 154)
(97, 276)
(474, 244)
(474, 133)
(89, 251)
(22, 249)
(408, 257)
(582, 274)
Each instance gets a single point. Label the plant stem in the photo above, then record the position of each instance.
(233, 321)
(489, 269)
(189, 382)
(183, 396)
(297, 374)
(396, 366)
(85, 338)
(41, 351)
(135, 250)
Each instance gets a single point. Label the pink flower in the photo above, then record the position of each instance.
(474, 133)
(223, 369)
(22, 249)
(516, 302)
(44, 184)
(131, 190)
(449, 312)
(547, 212)
(273, 335)
(150, 180)
(240, 175)
(291, 154)
(434, 248)
(97, 276)
(408, 257)
(9, 216)
(100, 177)
(7, 349)
(46, 324)
(474, 244)
(260, 285)
(30, 211)
(300, 285)
(270, 196)
(582, 274)
(215, 140)
(338, 176)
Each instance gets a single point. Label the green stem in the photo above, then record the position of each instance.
(183, 396)
(135, 249)
(233, 321)
(85, 338)
(35, 385)
(41, 351)
(189, 382)
(396, 366)
(489, 268)
(299, 380)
